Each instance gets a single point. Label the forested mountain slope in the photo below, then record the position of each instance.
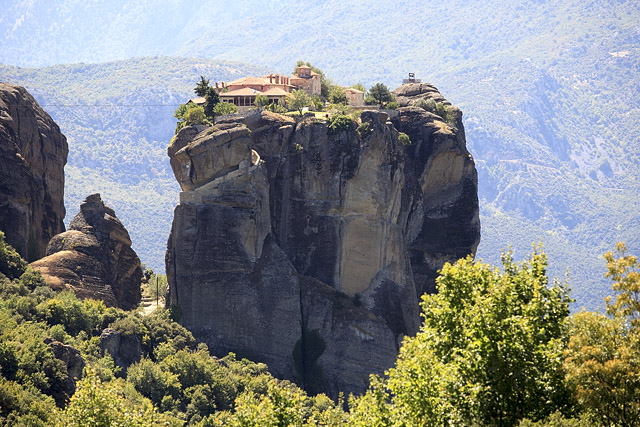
(548, 88)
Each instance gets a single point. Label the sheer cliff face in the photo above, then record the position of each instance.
(308, 249)
(33, 153)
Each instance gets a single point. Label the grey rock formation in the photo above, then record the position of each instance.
(33, 153)
(308, 249)
(94, 258)
(125, 350)
(74, 364)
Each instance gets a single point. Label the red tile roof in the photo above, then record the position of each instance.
(276, 91)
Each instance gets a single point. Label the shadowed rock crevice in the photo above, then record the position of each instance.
(309, 249)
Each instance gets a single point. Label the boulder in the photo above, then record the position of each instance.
(125, 350)
(94, 258)
(33, 153)
(74, 364)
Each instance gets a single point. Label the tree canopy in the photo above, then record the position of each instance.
(488, 353)
(298, 100)
(202, 87)
(378, 94)
(337, 95)
(497, 347)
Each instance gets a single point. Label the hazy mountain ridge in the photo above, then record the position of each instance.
(548, 90)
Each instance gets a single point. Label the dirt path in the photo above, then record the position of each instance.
(148, 305)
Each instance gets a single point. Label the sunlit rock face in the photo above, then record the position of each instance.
(33, 153)
(307, 248)
(94, 258)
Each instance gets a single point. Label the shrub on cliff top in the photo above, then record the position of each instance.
(339, 123)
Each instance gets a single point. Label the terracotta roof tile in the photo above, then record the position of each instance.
(276, 91)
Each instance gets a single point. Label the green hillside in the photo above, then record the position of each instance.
(118, 119)
(548, 88)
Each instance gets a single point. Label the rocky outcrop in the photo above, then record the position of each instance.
(74, 364)
(306, 248)
(125, 350)
(94, 258)
(33, 153)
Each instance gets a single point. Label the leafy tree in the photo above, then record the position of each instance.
(212, 99)
(67, 310)
(603, 368)
(23, 406)
(625, 274)
(224, 108)
(318, 105)
(557, 419)
(152, 381)
(298, 100)
(379, 94)
(603, 357)
(183, 112)
(202, 87)
(488, 351)
(97, 404)
(337, 95)
(360, 87)
(261, 101)
(195, 116)
(283, 404)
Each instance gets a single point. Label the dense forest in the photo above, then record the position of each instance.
(497, 346)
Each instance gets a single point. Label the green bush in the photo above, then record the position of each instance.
(404, 139)
(364, 129)
(99, 404)
(162, 329)
(393, 105)
(24, 406)
(152, 381)
(223, 108)
(426, 104)
(11, 263)
(32, 279)
(276, 108)
(340, 123)
(75, 315)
